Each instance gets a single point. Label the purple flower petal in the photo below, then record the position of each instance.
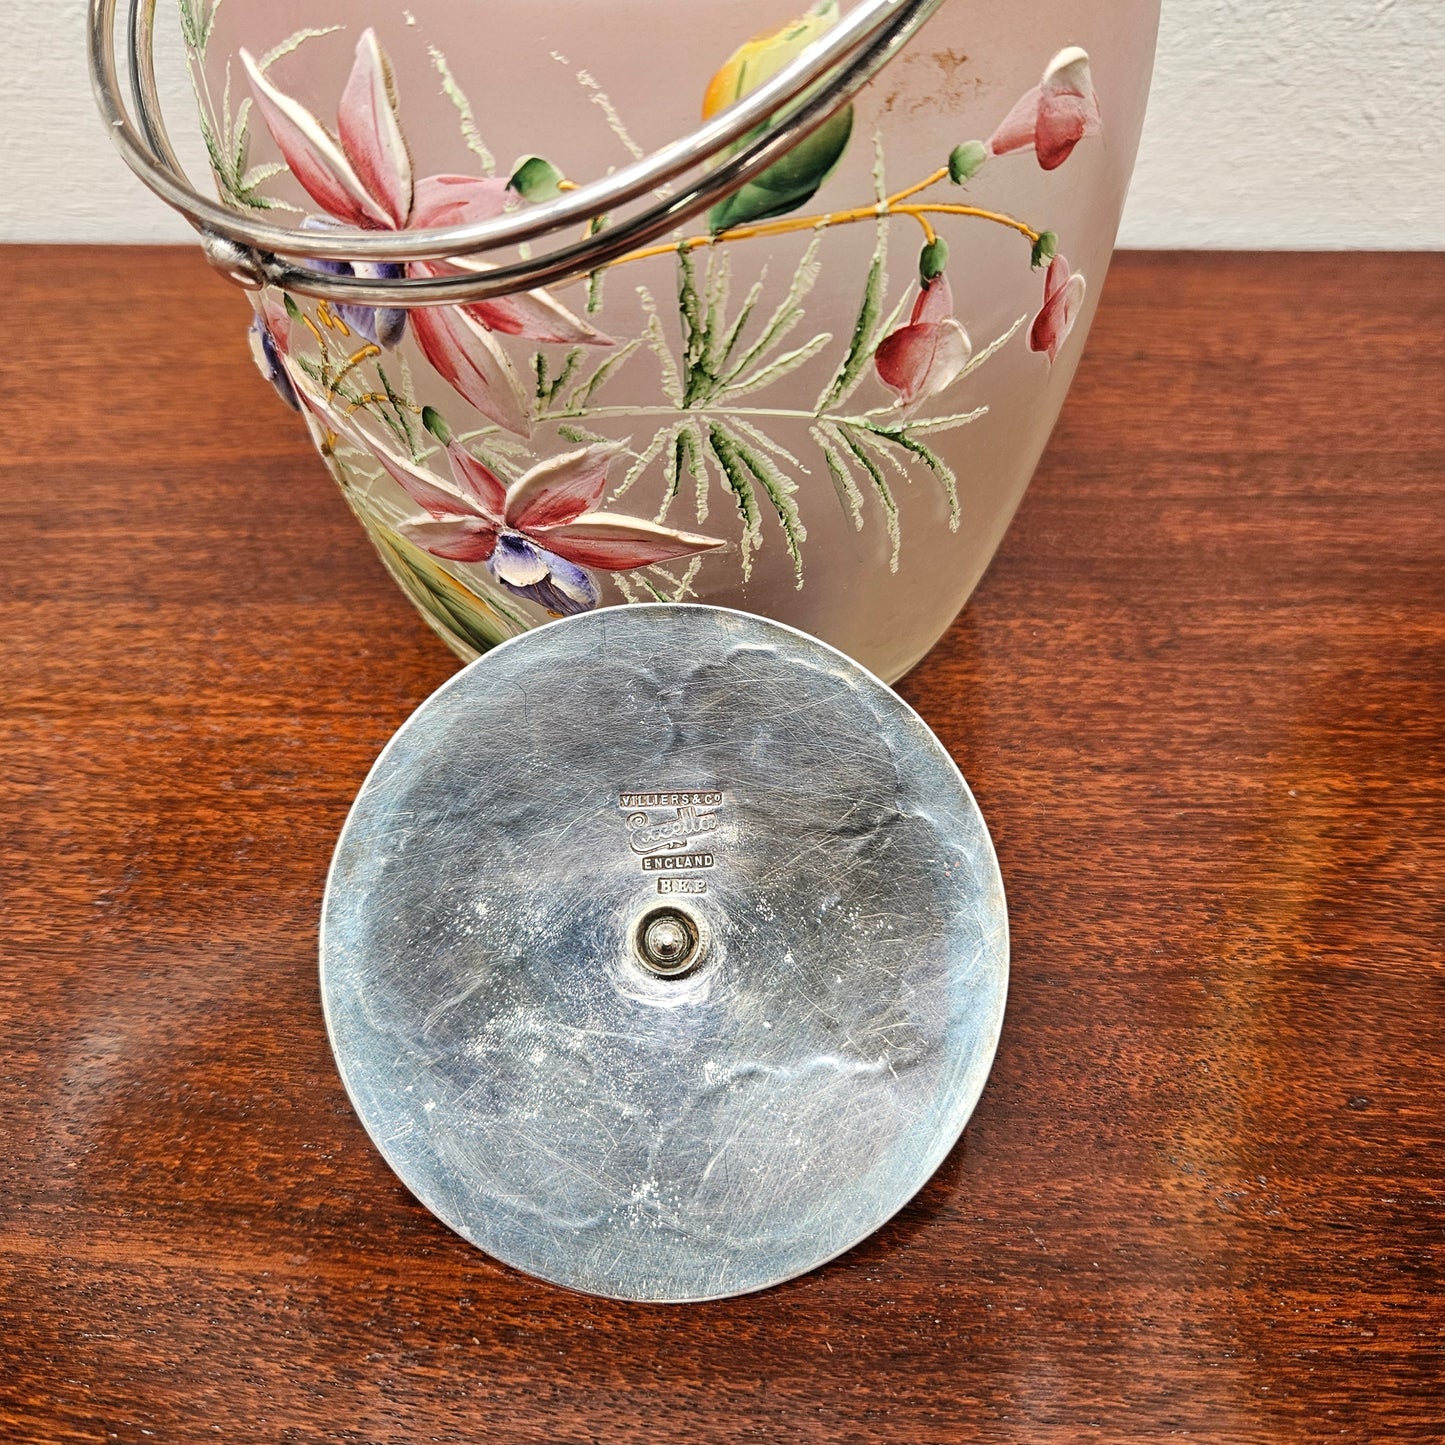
(269, 364)
(517, 561)
(381, 325)
(531, 571)
(385, 325)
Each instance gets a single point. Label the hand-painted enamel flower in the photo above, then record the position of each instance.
(1063, 295)
(919, 360)
(537, 535)
(1053, 117)
(362, 177)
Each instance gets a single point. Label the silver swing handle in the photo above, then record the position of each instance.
(254, 252)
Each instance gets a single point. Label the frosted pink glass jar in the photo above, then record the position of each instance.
(822, 401)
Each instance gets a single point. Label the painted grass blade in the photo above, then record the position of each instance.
(781, 492)
(849, 497)
(775, 370)
(740, 482)
(865, 329)
(880, 485)
(788, 313)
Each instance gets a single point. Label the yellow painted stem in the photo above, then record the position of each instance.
(375, 398)
(923, 185)
(997, 217)
(889, 207)
(365, 354)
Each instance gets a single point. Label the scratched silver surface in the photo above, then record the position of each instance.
(606, 1129)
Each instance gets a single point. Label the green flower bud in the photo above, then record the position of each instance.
(431, 419)
(932, 259)
(535, 179)
(1045, 249)
(966, 161)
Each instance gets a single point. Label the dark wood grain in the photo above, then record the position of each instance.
(1199, 698)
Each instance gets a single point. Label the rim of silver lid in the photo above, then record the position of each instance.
(664, 953)
(256, 252)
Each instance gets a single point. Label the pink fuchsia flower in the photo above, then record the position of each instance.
(1063, 295)
(930, 353)
(1055, 115)
(362, 176)
(537, 535)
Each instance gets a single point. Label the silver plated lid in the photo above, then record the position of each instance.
(664, 953)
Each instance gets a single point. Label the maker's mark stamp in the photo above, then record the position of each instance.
(664, 827)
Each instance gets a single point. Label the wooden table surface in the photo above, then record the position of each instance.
(1199, 698)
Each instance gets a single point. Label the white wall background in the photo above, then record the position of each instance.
(1298, 124)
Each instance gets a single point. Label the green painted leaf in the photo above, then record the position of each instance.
(693, 454)
(656, 341)
(745, 312)
(450, 606)
(190, 27)
(400, 408)
(696, 340)
(584, 393)
(595, 226)
(581, 436)
(789, 311)
(570, 364)
(849, 497)
(768, 444)
(778, 368)
(718, 290)
(434, 422)
(671, 473)
(645, 458)
(789, 183)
